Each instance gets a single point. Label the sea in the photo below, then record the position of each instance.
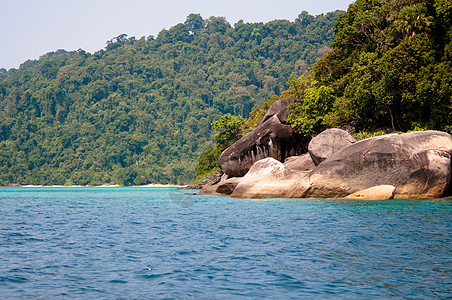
(165, 243)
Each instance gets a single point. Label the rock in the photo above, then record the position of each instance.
(220, 186)
(418, 164)
(379, 192)
(207, 181)
(273, 185)
(300, 163)
(227, 186)
(269, 139)
(328, 142)
(350, 129)
(197, 186)
(210, 187)
(267, 178)
(279, 108)
(259, 170)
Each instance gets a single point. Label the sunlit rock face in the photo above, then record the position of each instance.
(379, 192)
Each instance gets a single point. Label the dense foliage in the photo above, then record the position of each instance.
(140, 110)
(390, 68)
(231, 129)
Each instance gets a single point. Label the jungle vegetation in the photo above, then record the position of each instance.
(390, 69)
(140, 110)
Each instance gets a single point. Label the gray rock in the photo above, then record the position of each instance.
(300, 163)
(328, 142)
(209, 188)
(269, 139)
(280, 109)
(418, 164)
(227, 186)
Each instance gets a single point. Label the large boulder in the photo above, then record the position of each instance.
(379, 192)
(418, 164)
(270, 139)
(280, 109)
(209, 188)
(226, 187)
(257, 171)
(328, 142)
(267, 178)
(301, 163)
(273, 185)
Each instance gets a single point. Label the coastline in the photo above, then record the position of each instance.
(95, 186)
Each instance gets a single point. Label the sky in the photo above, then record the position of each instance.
(31, 28)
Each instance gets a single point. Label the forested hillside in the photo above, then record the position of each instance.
(390, 69)
(140, 110)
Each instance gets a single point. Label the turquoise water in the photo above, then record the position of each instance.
(141, 243)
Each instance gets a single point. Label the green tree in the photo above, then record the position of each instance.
(207, 163)
(231, 128)
(384, 69)
(194, 22)
(309, 116)
(141, 110)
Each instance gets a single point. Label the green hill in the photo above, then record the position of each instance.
(390, 69)
(140, 110)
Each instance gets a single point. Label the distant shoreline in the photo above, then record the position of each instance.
(93, 186)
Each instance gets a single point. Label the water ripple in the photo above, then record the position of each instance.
(161, 243)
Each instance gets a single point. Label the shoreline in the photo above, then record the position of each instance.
(93, 186)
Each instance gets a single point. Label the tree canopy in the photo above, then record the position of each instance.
(140, 110)
(390, 68)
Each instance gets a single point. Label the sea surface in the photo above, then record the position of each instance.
(163, 243)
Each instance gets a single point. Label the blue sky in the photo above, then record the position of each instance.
(30, 28)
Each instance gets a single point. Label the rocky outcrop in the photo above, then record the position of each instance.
(280, 109)
(328, 142)
(379, 192)
(209, 188)
(418, 164)
(227, 186)
(409, 165)
(271, 138)
(300, 163)
(259, 170)
(219, 186)
(267, 178)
